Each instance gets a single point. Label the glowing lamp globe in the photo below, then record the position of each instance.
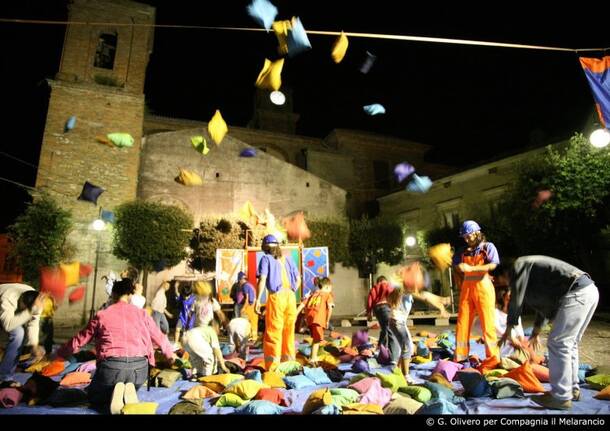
(600, 138)
(277, 97)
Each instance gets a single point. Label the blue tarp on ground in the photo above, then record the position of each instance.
(168, 397)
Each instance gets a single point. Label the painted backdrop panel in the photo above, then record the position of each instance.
(315, 264)
(228, 263)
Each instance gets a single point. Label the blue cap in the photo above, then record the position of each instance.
(468, 227)
(241, 275)
(270, 239)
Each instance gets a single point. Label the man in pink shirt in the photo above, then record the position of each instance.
(125, 337)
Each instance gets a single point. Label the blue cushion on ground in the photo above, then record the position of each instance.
(298, 382)
(474, 383)
(254, 375)
(259, 407)
(316, 375)
(439, 407)
(330, 409)
(442, 392)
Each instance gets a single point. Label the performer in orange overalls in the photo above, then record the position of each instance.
(477, 295)
(280, 277)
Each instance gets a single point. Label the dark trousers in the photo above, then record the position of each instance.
(382, 314)
(161, 321)
(45, 338)
(111, 371)
(401, 345)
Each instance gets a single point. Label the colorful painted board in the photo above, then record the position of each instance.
(315, 264)
(228, 263)
(254, 257)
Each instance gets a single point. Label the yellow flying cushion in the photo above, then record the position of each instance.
(281, 29)
(217, 128)
(188, 178)
(339, 48)
(71, 272)
(270, 77)
(441, 255)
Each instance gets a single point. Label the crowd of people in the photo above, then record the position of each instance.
(126, 332)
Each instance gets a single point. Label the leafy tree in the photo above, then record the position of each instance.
(214, 233)
(569, 225)
(375, 240)
(333, 233)
(148, 233)
(39, 238)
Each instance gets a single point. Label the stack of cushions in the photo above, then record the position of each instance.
(393, 381)
(524, 375)
(474, 383)
(402, 405)
(342, 396)
(273, 379)
(418, 393)
(272, 395)
(230, 400)
(371, 391)
(317, 399)
(259, 407)
(199, 392)
(217, 383)
(245, 389)
(506, 388)
(316, 375)
(298, 382)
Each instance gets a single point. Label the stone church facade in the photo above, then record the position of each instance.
(101, 81)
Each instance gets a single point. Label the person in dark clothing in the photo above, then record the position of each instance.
(559, 291)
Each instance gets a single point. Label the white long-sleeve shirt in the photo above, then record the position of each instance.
(10, 319)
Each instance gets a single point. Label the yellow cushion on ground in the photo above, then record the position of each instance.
(273, 379)
(317, 399)
(140, 409)
(246, 389)
(199, 392)
(362, 409)
(222, 379)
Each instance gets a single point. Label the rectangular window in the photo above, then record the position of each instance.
(452, 218)
(381, 171)
(105, 51)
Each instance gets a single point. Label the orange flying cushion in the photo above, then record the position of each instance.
(524, 375)
(77, 294)
(53, 282)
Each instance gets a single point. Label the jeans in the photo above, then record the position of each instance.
(401, 344)
(11, 353)
(575, 312)
(237, 309)
(111, 371)
(382, 314)
(161, 321)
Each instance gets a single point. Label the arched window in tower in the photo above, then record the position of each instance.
(106, 49)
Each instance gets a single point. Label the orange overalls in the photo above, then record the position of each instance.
(280, 317)
(249, 313)
(477, 296)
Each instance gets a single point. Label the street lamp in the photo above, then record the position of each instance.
(277, 97)
(98, 226)
(600, 138)
(411, 241)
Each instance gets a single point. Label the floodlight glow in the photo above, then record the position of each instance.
(600, 138)
(277, 98)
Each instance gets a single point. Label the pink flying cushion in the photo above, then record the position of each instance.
(447, 368)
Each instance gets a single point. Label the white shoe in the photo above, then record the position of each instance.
(409, 380)
(117, 403)
(131, 396)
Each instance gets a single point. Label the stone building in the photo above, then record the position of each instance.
(101, 81)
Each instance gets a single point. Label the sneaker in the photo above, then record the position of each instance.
(550, 402)
(131, 397)
(117, 402)
(409, 380)
(575, 394)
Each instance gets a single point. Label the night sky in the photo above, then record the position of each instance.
(470, 103)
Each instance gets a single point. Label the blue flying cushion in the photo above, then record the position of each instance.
(90, 193)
